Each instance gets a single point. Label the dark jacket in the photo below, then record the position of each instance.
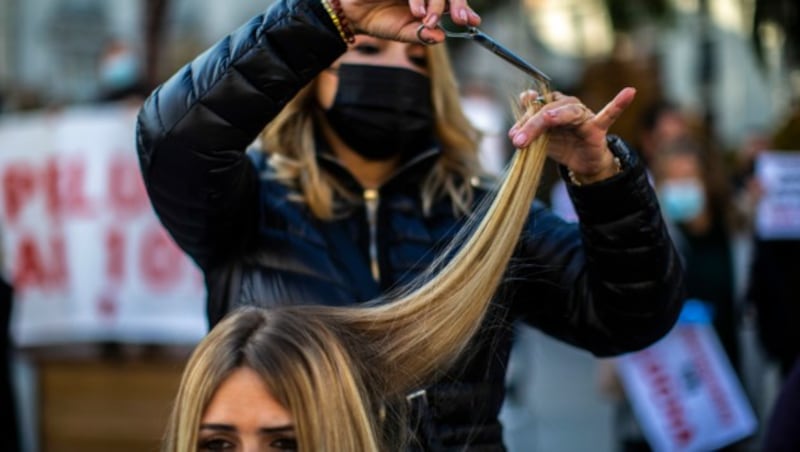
(782, 432)
(610, 285)
(775, 293)
(9, 426)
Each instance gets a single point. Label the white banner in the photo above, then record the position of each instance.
(778, 214)
(684, 392)
(87, 256)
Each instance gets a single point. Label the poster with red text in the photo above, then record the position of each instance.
(778, 212)
(87, 256)
(684, 392)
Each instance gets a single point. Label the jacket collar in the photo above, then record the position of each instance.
(406, 178)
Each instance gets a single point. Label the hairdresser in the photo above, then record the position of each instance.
(363, 170)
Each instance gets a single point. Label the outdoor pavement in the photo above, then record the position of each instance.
(555, 405)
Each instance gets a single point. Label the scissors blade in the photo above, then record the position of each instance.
(501, 51)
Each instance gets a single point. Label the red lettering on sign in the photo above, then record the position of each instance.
(18, 187)
(684, 436)
(58, 270)
(107, 307)
(37, 268)
(702, 362)
(160, 260)
(665, 395)
(127, 194)
(62, 183)
(115, 261)
(64, 188)
(30, 265)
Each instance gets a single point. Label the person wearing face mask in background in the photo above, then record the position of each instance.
(120, 74)
(697, 201)
(712, 237)
(366, 167)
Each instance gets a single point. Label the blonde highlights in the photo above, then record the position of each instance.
(430, 325)
(343, 372)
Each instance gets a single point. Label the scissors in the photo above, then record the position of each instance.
(452, 30)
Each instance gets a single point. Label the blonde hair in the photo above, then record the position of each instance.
(289, 139)
(303, 362)
(348, 362)
(354, 365)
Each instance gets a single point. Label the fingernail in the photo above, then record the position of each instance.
(421, 11)
(520, 139)
(551, 113)
(463, 15)
(432, 21)
(513, 131)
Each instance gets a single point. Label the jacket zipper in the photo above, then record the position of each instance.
(371, 200)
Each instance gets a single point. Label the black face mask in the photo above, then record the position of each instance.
(382, 112)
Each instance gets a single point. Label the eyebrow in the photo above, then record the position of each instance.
(265, 430)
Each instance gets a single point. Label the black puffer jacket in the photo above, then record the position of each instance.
(609, 286)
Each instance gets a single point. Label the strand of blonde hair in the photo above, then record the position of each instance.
(453, 297)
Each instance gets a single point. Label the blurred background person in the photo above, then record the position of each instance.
(774, 290)
(120, 73)
(695, 195)
(782, 432)
(9, 423)
(660, 124)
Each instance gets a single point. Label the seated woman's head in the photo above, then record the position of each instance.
(272, 377)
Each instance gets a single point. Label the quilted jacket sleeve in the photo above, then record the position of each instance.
(612, 283)
(193, 130)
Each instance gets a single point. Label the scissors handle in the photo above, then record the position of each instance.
(473, 33)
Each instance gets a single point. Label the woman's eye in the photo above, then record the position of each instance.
(289, 444)
(367, 49)
(212, 445)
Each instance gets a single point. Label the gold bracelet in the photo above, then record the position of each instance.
(335, 11)
(574, 180)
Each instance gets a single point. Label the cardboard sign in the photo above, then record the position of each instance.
(684, 392)
(87, 256)
(778, 214)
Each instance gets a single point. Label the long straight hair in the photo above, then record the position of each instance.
(340, 370)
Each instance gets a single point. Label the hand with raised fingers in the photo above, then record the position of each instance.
(577, 134)
(401, 20)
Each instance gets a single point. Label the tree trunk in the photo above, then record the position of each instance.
(154, 15)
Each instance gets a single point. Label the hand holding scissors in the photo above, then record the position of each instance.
(577, 135)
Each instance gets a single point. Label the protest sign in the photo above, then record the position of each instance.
(778, 212)
(87, 255)
(684, 392)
